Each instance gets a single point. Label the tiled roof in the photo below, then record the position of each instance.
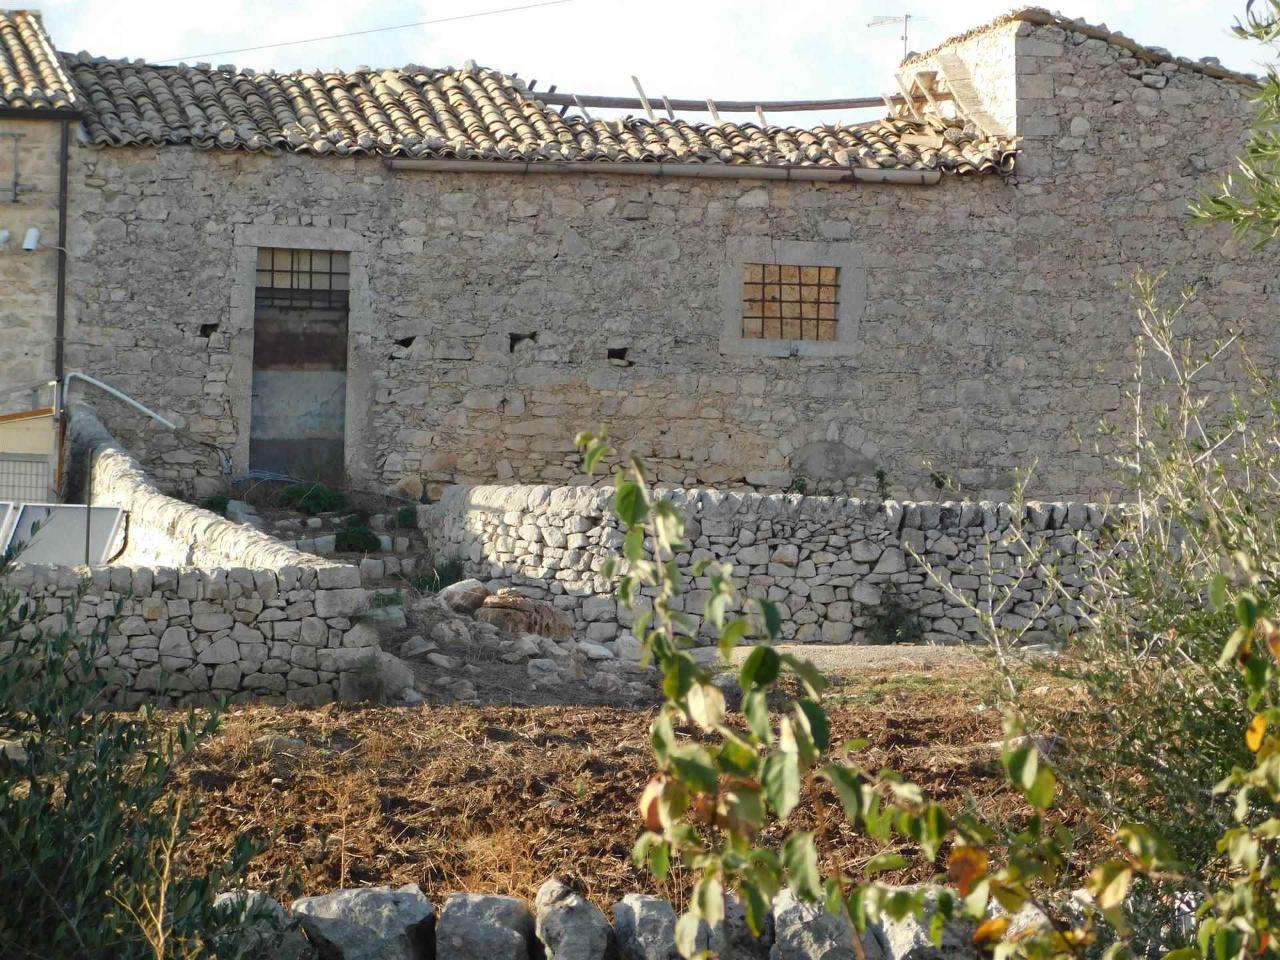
(31, 74)
(1099, 31)
(472, 113)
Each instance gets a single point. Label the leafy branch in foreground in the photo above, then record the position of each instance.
(722, 781)
(91, 836)
(1250, 202)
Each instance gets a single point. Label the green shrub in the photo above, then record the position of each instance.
(91, 841)
(407, 518)
(882, 483)
(892, 620)
(1171, 731)
(1153, 721)
(1156, 724)
(443, 573)
(356, 537)
(314, 498)
(216, 504)
(447, 572)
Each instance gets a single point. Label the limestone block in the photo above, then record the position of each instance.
(221, 651)
(568, 925)
(360, 635)
(226, 676)
(517, 615)
(175, 643)
(373, 923)
(211, 622)
(340, 603)
(806, 930)
(475, 926)
(338, 577)
(646, 928)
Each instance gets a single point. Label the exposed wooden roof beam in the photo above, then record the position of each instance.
(723, 106)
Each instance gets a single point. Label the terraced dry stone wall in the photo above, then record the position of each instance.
(835, 566)
(184, 635)
(198, 608)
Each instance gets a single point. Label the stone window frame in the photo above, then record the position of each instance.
(810, 253)
(248, 239)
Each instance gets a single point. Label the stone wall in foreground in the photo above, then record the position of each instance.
(197, 608)
(561, 923)
(185, 635)
(833, 565)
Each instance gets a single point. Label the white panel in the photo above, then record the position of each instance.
(25, 476)
(6, 518)
(55, 533)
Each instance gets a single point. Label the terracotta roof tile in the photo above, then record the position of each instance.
(472, 113)
(31, 73)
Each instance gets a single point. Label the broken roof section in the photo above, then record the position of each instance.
(31, 72)
(476, 114)
(448, 114)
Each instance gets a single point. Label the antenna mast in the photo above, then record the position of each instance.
(903, 19)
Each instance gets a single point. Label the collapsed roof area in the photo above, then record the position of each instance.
(474, 113)
(470, 113)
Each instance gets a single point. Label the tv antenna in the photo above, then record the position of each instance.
(904, 20)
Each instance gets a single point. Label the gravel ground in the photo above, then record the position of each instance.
(855, 658)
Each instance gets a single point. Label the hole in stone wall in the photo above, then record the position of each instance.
(618, 355)
(405, 342)
(517, 338)
(207, 330)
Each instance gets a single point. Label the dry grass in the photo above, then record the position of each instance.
(497, 799)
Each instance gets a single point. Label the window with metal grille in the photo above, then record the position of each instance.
(303, 278)
(786, 301)
(25, 477)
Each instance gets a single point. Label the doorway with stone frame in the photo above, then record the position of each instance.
(298, 405)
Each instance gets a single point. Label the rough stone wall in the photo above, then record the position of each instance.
(997, 330)
(198, 607)
(28, 279)
(191, 635)
(832, 565)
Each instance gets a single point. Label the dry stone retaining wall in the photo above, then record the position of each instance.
(190, 635)
(830, 563)
(198, 607)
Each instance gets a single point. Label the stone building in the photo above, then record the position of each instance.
(421, 276)
(37, 112)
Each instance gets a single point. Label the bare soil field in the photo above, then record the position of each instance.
(499, 798)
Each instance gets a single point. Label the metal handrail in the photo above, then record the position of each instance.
(107, 388)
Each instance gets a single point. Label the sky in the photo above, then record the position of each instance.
(723, 49)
